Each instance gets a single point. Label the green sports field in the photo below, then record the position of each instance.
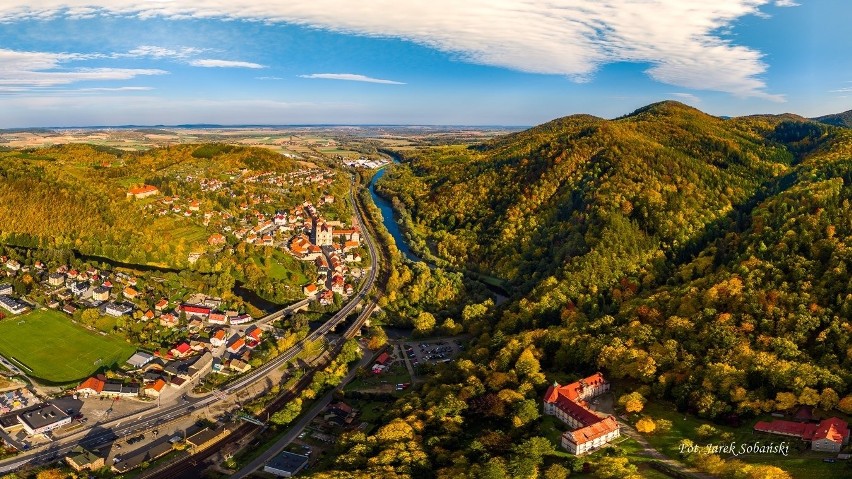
(55, 349)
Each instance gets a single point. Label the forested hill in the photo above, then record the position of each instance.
(536, 203)
(76, 196)
(838, 119)
(706, 260)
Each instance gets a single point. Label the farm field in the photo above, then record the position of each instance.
(54, 349)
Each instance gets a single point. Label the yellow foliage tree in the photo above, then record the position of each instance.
(632, 402)
(646, 425)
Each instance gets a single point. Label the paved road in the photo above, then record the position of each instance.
(102, 433)
(301, 423)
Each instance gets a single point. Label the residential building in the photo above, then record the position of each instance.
(81, 459)
(100, 294)
(236, 346)
(217, 318)
(216, 239)
(241, 319)
(91, 387)
(6, 289)
(239, 366)
(119, 390)
(310, 289)
(117, 309)
(568, 403)
(286, 464)
(56, 279)
(143, 191)
(154, 389)
(169, 320)
(218, 338)
(830, 435)
(193, 310)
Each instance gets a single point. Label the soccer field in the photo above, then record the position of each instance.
(54, 349)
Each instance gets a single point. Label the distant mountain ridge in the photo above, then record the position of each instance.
(838, 119)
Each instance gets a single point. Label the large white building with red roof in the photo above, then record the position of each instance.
(830, 435)
(568, 403)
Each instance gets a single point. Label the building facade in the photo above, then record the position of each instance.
(569, 404)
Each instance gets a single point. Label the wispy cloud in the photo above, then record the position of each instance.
(350, 77)
(689, 97)
(268, 78)
(152, 51)
(34, 70)
(680, 39)
(121, 88)
(209, 63)
(786, 3)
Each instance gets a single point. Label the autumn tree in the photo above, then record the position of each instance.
(645, 425)
(632, 402)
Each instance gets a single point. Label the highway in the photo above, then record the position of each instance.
(101, 433)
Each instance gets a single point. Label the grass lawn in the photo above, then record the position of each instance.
(282, 267)
(57, 350)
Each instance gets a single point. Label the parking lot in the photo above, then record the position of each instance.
(432, 351)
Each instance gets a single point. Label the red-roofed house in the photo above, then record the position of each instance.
(568, 403)
(130, 293)
(216, 239)
(181, 350)
(830, 435)
(143, 191)
(218, 338)
(255, 334)
(192, 310)
(91, 386)
(310, 289)
(169, 320)
(217, 318)
(161, 305)
(237, 346)
(156, 388)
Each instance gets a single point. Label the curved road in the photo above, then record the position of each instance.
(100, 433)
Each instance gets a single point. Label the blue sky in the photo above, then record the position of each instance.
(521, 62)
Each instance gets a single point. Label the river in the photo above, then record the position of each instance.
(389, 219)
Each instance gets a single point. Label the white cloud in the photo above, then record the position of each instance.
(688, 97)
(786, 3)
(121, 88)
(35, 70)
(151, 51)
(350, 77)
(681, 39)
(268, 78)
(208, 63)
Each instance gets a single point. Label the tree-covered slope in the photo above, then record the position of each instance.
(706, 260)
(837, 119)
(527, 205)
(75, 196)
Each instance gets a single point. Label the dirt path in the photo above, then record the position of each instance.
(649, 451)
